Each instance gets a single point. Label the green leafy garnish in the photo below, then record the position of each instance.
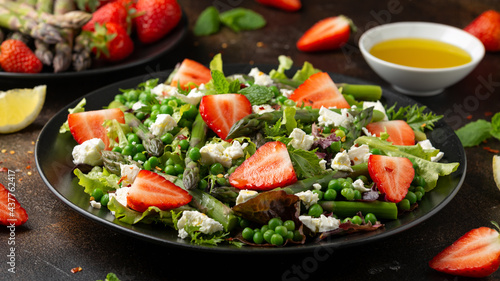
(257, 94)
(239, 19)
(80, 107)
(285, 63)
(97, 178)
(478, 131)
(305, 163)
(111, 277)
(207, 23)
(415, 117)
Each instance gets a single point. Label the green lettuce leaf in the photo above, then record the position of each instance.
(302, 74)
(285, 63)
(117, 130)
(430, 171)
(97, 178)
(151, 215)
(474, 133)
(80, 107)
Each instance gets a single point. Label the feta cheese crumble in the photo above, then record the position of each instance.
(128, 173)
(163, 124)
(89, 152)
(260, 78)
(244, 195)
(342, 162)
(427, 145)
(376, 105)
(308, 197)
(206, 224)
(216, 153)
(300, 140)
(328, 117)
(261, 109)
(321, 224)
(359, 154)
(193, 97)
(121, 195)
(95, 204)
(360, 186)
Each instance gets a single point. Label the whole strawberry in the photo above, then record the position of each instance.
(486, 27)
(156, 18)
(110, 42)
(15, 56)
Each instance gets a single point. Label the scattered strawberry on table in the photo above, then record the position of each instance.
(11, 212)
(64, 37)
(260, 159)
(286, 5)
(327, 34)
(475, 254)
(486, 27)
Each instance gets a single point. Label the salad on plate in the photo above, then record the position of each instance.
(258, 159)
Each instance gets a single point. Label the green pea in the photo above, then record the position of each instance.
(376, 151)
(289, 102)
(277, 240)
(289, 224)
(274, 222)
(231, 170)
(105, 199)
(421, 189)
(346, 220)
(404, 204)
(191, 113)
(281, 230)
(184, 144)
(140, 147)
(363, 178)
(216, 169)
(348, 193)
(202, 184)
(140, 115)
(370, 217)
(335, 185)
(178, 169)
(120, 98)
(268, 234)
(347, 184)
(357, 220)
(411, 197)
(194, 154)
(258, 237)
(357, 195)
(336, 145)
(340, 133)
(117, 149)
(330, 195)
(297, 236)
(281, 99)
(148, 122)
(147, 165)
(419, 195)
(222, 181)
(129, 150)
(243, 222)
(247, 233)
(153, 160)
(264, 228)
(97, 194)
(418, 180)
(320, 194)
(132, 96)
(166, 109)
(155, 107)
(145, 97)
(275, 90)
(170, 170)
(289, 235)
(315, 210)
(139, 156)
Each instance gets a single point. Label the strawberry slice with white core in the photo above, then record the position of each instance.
(11, 212)
(476, 254)
(400, 133)
(319, 90)
(151, 189)
(191, 74)
(220, 112)
(89, 124)
(269, 167)
(393, 175)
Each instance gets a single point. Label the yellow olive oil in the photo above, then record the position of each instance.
(422, 53)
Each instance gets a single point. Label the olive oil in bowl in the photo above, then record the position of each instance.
(421, 53)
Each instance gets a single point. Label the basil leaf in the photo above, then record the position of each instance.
(239, 19)
(257, 94)
(305, 163)
(207, 23)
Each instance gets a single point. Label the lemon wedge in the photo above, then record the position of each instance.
(20, 107)
(496, 170)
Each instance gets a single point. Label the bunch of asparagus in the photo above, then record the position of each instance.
(51, 26)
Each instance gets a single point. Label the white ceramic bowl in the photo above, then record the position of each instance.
(420, 81)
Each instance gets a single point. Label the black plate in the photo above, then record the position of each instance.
(54, 163)
(142, 54)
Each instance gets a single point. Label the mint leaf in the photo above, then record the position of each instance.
(495, 126)
(257, 94)
(221, 84)
(239, 19)
(305, 163)
(474, 133)
(207, 23)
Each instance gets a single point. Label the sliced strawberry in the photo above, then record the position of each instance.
(191, 74)
(89, 124)
(269, 167)
(400, 133)
(151, 189)
(476, 254)
(220, 112)
(11, 212)
(319, 90)
(486, 27)
(286, 5)
(393, 175)
(327, 34)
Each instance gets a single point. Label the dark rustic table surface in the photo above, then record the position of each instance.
(56, 238)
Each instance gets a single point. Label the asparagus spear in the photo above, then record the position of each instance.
(254, 122)
(362, 92)
(213, 208)
(63, 50)
(11, 20)
(112, 161)
(191, 175)
(44, 6)
(361, 119)
(43, 52)
(382, 210)
(151, 143)
(63, 6)
(2, 35)
(81, 53)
